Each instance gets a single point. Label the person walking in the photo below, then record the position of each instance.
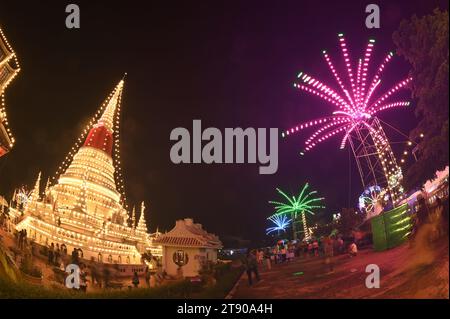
(147, 276)
(283, 253)
(305, 249)
(316, 248)
(310, 249)
(94, 275)
(340, 245)
(353, 249)
(83, 278)
(276, 254)
(328, 247)
(75, 257)
(267, 257)
(251, 267)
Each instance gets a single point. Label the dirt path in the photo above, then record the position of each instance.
(406, 272)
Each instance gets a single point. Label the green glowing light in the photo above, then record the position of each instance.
(295, 205)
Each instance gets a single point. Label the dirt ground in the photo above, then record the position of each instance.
(412, 270)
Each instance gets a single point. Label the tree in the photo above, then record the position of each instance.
(424, 43)
(302, 204)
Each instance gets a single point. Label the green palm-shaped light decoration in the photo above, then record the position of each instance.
(302, 204)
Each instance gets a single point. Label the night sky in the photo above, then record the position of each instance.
(228, 63)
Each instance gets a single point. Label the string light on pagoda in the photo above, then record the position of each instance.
(116, 153)
(76, 146)
(12, 65)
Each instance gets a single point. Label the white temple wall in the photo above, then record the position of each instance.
(196, 256)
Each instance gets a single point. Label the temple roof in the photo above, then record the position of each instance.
(9, 68)
(188, 234)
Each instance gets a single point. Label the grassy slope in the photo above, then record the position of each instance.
(10, 288)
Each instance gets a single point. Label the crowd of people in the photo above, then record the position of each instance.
(285, 251)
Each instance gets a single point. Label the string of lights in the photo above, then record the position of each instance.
(355, 117)
(9, 68)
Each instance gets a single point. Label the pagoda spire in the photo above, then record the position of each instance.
(133, 217)
(47, 186)
(142, 226)
(35, 193)
(107, 118)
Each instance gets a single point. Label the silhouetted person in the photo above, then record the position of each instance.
(147, 276)
(75, 256)
(135, 280)
(51, 254)
(251, 266)
(94, 276)
(57, 255)
(422, 213)
(106, 276)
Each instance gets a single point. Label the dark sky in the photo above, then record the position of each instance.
(228, 63)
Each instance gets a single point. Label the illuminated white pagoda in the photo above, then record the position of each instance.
(85, 207)
(9, 68)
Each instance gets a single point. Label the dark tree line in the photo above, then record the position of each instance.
(424, 43)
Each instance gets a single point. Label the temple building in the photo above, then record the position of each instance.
(187, 248)
(9, 68)
(85, 206)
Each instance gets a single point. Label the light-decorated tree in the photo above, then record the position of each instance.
(281, 222)
(295, 206)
